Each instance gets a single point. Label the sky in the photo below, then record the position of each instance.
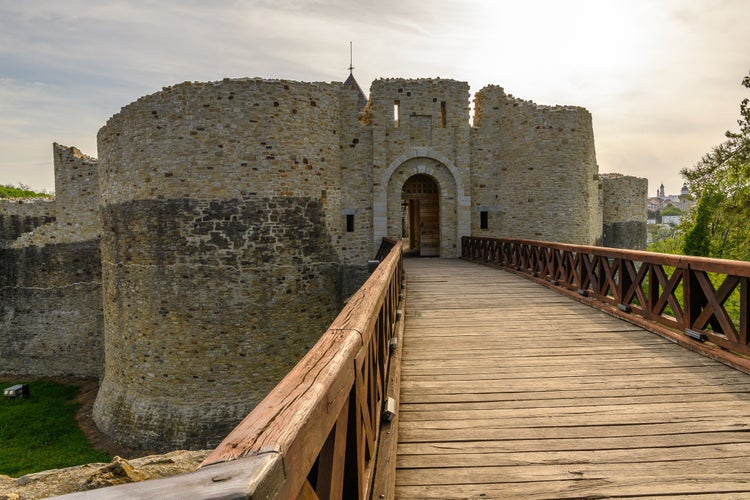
(660, 77)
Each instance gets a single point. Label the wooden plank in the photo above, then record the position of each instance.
(485, 458)
(602, 412)
(585, 488)
(474, 430)
(708, 470)
(552, 399)
(508, 391)
(573, 444)
(566, 384)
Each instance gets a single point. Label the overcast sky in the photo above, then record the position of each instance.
(660, 77)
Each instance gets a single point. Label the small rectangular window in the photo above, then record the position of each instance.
(397, 113)
(442, 114)
(484, 219)
(349, 223)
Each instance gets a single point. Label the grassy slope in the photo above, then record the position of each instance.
(14, 192)
(41, 433)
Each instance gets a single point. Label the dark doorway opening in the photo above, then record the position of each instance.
(420, 216)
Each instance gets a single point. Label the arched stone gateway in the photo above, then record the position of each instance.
(441, 218)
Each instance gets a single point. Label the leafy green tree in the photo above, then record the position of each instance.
(670, 244)
(699, 236)
(721, 180)
(671, 210)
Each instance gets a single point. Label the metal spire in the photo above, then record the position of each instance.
(350, 59)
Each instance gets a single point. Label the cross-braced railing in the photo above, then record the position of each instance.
(706, 299)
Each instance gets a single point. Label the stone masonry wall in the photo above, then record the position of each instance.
(77, 215)
(535, 170)
(50, 280)
(76, 190)
(355, 191)
(625, 211)
(219, 205)
(50, 310)
(22, 216)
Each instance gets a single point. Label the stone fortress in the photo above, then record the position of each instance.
(224, 223)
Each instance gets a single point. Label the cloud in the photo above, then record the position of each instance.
(32, 116)
(660, 78)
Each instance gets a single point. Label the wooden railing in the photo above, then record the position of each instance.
(316, 433)
(322, 419)
(701, 303)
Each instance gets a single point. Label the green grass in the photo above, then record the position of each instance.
(41, 432)
(20, 192)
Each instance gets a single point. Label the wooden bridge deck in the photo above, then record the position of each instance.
(510, 390)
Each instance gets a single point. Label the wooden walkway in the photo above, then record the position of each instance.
(510, 390)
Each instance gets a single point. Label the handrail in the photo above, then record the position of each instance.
(315, 434)
(684, 298)
(386, 246)
(325, 414)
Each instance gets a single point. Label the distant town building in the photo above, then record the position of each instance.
(684, 201)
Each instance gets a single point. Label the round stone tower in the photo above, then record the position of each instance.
(624, 211)
(216, 203)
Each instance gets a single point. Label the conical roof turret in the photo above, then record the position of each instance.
(351, 83)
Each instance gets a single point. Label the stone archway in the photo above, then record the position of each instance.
(446, 209)
(454, 202)
(420, 201)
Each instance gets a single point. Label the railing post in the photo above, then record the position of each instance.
(744, 329)
(624, 282)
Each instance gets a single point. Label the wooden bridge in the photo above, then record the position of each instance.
(511, 390)
(507, 384)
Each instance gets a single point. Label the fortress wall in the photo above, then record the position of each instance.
(220, 210)
(625, 211)
(77, 215)
(487, 163)
(50, 279)
(22, 216)
(547, 184)
(51, 310)
(219, 203)
(77, 190)
(354, 247)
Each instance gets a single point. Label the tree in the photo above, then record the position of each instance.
(671, 210)
(721, 180)
(22, 191)
(699, 237)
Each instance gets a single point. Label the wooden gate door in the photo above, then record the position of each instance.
(422, 196)
(429, 227)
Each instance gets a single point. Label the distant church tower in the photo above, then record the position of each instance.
(661, 194)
